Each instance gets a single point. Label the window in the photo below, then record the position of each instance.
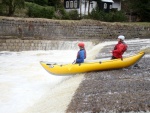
(91, 5)
(67, 4)
(75, 4)
(71, 4)
(110, 6)
(105, 5)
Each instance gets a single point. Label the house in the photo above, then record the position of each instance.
(84, 6)
(117, 5)
(106, 5)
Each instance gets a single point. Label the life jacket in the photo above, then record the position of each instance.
(116, 52)
(84, 53)
(125, 47)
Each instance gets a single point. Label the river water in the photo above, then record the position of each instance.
(23, 81)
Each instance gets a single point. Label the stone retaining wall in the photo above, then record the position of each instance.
(27, 30)
(24, 45)
(28, 45)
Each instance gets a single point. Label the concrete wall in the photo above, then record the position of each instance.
(28, 45)
(29, 34)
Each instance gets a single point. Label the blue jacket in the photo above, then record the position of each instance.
(81, 56)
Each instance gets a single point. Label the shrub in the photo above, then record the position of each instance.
(119, 16)
(74, 15)
(114, 16)
(96, 14)
(1, 9)
(39, 2)
(35, 10)
(61, 13)
(64, 14)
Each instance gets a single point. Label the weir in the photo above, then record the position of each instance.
(23, 34)
(29, 45)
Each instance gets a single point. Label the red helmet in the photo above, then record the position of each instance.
(81, 44)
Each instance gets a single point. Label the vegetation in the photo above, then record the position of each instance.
(138, 7)
(9, 6)
(113, 16)
(54, 9)
(35, 10)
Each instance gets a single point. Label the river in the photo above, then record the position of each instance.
(23, 81)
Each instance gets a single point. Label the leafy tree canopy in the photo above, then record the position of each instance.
(11, 5)
(140, 7)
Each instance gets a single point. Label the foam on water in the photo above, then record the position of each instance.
(23, 81)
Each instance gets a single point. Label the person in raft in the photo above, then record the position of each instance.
(81, 53)
(119, 48)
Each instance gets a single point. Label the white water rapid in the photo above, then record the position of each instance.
(25, 87)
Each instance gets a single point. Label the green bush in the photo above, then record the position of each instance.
(63, 14)
(97, 15)
(74, 15)
(39, 2)
(117, 16)
(1, 9)
(38, 11)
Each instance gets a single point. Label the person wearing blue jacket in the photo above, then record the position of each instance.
(81, 53)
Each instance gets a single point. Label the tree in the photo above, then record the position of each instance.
(55, 3)
(11, 5)
(41, 2)
(89, 7)
(139, 7)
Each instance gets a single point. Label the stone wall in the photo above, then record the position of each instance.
(28, 45)
(25, 45)
(28, 30)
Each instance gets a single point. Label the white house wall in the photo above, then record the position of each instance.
(117, 5)
(83, 10)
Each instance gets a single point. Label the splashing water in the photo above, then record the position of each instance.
(23, 81)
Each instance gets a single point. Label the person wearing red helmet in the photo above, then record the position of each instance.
(81, 53)
(119, 48)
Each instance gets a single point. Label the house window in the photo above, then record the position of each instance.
(75, 4)
(91, 5)
(71, 4)
(67, 4)
(110, 6)
(105, 5)
(83, 1)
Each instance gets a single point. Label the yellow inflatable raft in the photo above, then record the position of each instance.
(64, 69)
